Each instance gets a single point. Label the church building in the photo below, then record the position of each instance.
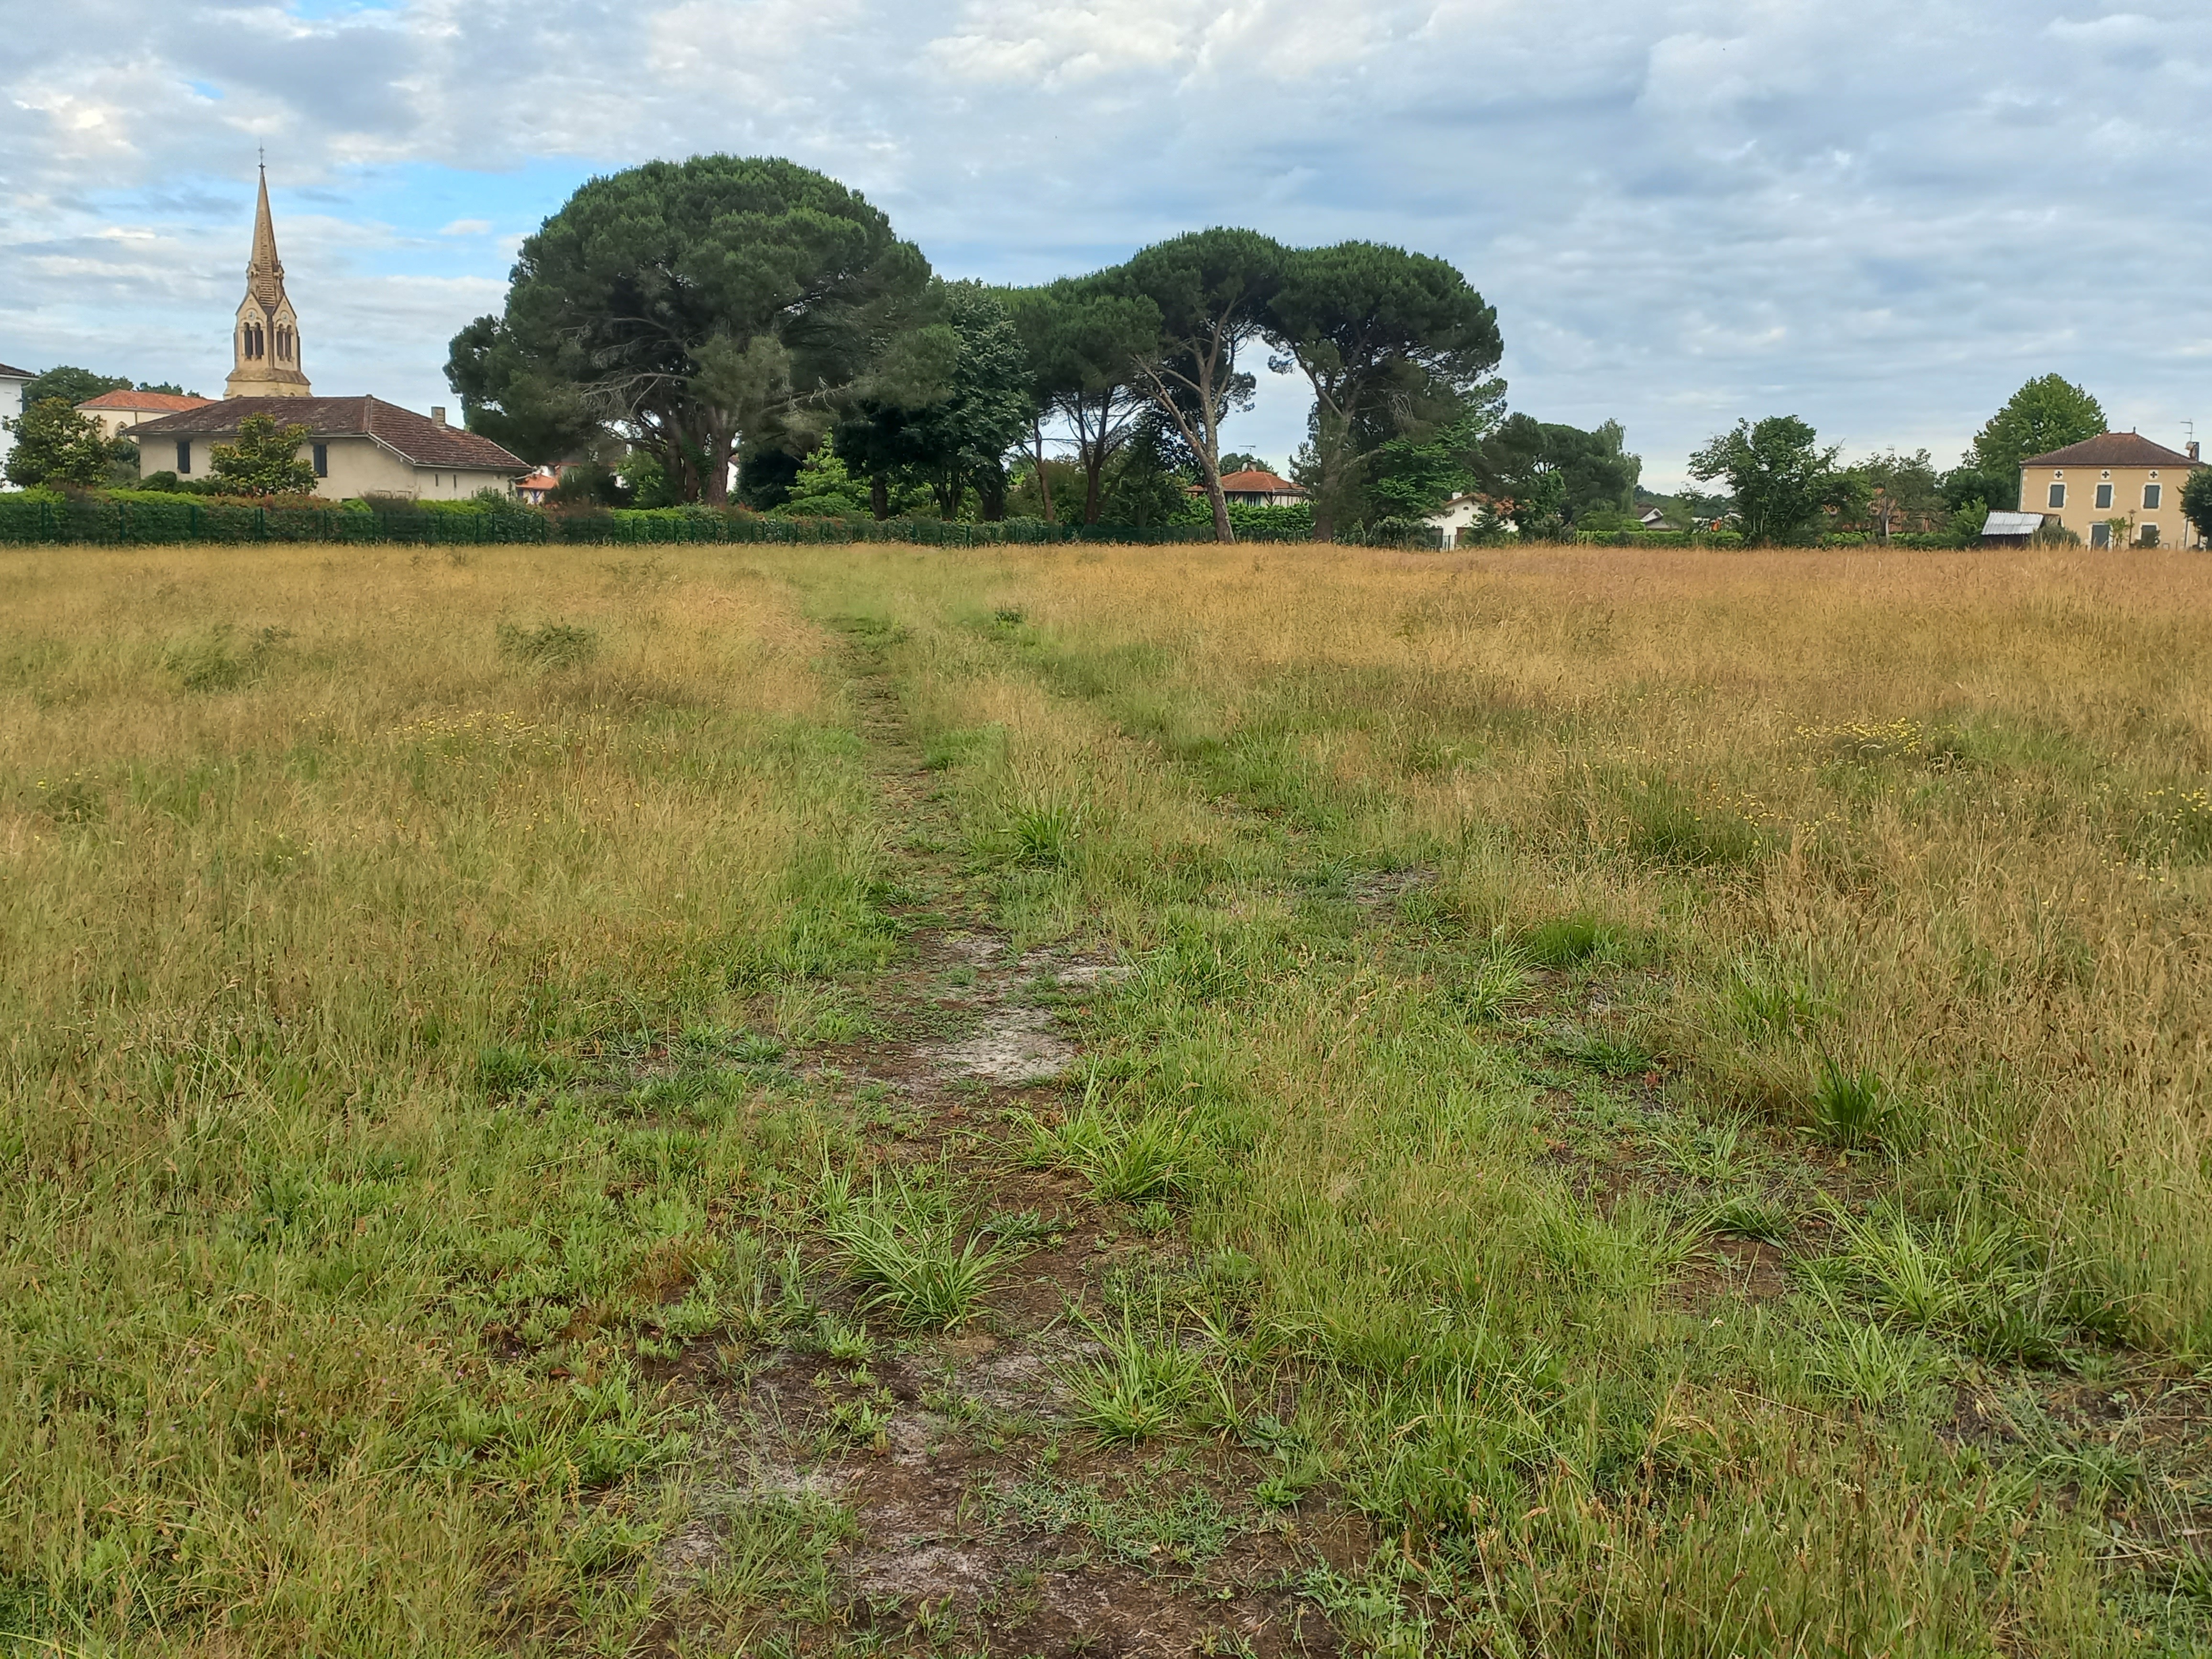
(358, 446)
(265, 348)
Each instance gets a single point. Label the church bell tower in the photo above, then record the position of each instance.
(265, 343)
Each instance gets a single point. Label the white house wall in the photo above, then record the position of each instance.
(11, 406)
(358, 466)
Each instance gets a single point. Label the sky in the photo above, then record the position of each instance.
(1882, 216)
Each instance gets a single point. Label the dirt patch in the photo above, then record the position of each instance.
(1016, 1046)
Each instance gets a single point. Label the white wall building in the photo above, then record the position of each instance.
(12, 382)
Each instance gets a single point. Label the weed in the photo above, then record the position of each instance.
(1970, 1277)
(1565, 941)
(1124, 1159)
(1019, 1229)
(1196, 965)
(1174, 1524)
(1769, 1002)
(861, 1423)
(1750, 1215)
(1492, 984)
(504, 1071)
(1702, 1152)
(1602, 1053)
(221, 660)
(1875, 1366)
(848, 1344)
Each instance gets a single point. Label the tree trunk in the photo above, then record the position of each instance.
(1094, 461)
(1222, 530)
(715, 468)
(880, 496)
(1044, 483)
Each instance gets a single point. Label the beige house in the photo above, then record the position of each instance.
(357, 446)
(2120, 486)
(119, 411)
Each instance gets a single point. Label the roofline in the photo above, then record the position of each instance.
(2173, 456)
(363, 398)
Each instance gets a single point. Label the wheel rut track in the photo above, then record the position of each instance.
(950, 1547)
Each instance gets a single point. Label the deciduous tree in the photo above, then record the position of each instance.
(55, 445)
(2048, 413)
(1899, 489)
(1395, 345)
(2197, 501)
(696, 305)
(1596, 471)
(265, 460)
(74, 386)
(1780, 478)
(952, 429)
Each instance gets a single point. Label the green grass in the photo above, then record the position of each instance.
(907, 1246)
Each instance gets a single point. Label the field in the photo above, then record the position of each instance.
(1111, 1100)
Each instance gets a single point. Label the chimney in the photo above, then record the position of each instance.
(2192, 449)
(437, 414)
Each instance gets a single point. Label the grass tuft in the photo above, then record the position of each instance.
(902, 1243)
(1849, 1106)
(1142, 1388)
(550, 645)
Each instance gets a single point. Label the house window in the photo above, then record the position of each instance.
(2104, 497)
(184, 455)
(2147, 537)
(322, 460)
(2058, 495)
(2100, 535)
(2151, 492)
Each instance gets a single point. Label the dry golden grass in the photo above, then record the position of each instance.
(1958, 796)
(380, 933)
(302, 855)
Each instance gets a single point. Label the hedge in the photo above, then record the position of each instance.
(134, 521)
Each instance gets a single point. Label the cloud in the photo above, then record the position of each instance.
(1883, 218)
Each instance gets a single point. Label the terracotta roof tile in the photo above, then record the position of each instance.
(2113, 449)
(412, 437)
(1254, 481)
(169, 400)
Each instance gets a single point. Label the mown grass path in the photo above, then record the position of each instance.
(967, 1489)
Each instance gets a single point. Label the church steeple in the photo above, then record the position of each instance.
(266, 341)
